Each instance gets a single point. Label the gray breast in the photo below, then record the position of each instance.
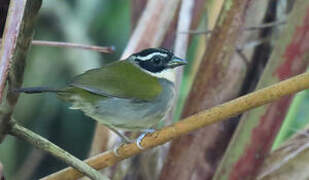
(130, 114)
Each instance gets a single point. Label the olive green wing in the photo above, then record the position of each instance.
(119, 79)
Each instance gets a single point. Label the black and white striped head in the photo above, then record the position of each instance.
(155, 60)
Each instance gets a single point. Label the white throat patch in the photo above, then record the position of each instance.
(168, 74)
(149, 56)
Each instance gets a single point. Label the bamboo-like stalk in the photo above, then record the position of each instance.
(137, 8)
(289, 161)
(192, 123)
(218, 79)
(254, 136)
(18, 30)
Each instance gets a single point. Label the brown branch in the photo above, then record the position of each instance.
(16, 40)
(192, 123)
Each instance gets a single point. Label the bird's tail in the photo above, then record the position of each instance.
(33, 90)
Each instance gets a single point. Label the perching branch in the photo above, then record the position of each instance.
(192, 123)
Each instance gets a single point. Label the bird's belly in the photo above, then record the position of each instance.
(128, 114)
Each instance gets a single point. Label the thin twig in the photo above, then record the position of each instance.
(107, 49)
(192, 123)
(101, 49)
(47, 146)
(265, 25)
(196, 32)
(251, 28)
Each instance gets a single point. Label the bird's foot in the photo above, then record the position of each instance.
(141, 137)
(124, 141)
(115, 150)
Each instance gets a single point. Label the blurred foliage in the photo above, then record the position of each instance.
(296, 119)
(89, 22)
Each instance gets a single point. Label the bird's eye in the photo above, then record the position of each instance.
(157, 61)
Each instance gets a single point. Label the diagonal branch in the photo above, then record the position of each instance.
(192, 123)
(47, 146)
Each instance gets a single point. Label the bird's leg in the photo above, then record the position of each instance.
(138, 140)
(141, 137)
(123, 137)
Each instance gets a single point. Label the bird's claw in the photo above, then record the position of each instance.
(115, 151)
(138, 141)
(141, 137)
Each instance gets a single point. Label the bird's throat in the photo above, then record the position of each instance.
(169, 74)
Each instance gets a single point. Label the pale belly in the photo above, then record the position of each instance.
(128, 114)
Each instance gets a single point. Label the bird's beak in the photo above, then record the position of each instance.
(176, 61)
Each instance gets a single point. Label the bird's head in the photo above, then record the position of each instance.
(156, 60)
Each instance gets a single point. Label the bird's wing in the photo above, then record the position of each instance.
(120, 79)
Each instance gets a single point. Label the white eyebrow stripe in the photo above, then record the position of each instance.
(149, 56)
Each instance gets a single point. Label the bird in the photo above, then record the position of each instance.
(130, 95)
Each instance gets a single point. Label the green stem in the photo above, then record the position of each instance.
(56, 151)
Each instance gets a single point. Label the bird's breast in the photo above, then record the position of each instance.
(133, 114)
